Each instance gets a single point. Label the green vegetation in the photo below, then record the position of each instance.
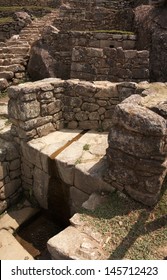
(121, 32)
(3, 94)
(86, 147)
(132, 230)
(4, 20)
(18, 8)
(78, 161)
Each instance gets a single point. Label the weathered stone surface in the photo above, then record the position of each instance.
(3, 110)
(139, 119)
(30, 154)
(94, 201)
(23, 111)
(71, 244)
(10, 248)
(3, 84)
(89, 177)
(66, 161)
(45, 129)
(152, 30)
(137, 146)
(77, 198)
(9, 188)
(41, 64)
(40, 187)
(88, 148)
(22, 16)
(14, 219)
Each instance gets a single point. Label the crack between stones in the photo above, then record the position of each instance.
(57, 152)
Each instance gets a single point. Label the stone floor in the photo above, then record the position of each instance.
(10, 248)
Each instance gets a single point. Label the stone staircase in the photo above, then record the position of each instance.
(14, 53)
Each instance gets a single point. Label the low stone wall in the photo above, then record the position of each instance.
(10, 28)
(36, 109)
(112, 64)
(102, 39)
(137, 151)
(10, 181)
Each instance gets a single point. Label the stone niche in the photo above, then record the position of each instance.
(137, 152)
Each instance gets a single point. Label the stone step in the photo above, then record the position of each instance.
(2, 45)
(15, 50)
(17, 43)
(27, 32)
(12, 220)
(13, 68)
(11, 55)
(10, 248)
(8, 75)
(10, 61)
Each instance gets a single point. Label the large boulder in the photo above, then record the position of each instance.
(23, 17)
(137, 145)
(41, 63)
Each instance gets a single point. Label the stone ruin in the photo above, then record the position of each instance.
(96, 124)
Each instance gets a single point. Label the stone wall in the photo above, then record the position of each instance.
(44, 3)
(10, 28)
(96, 19)
(112, 64)
(101, 3)
(137, 151)
(35, 109)
(10, 181)
(59, 46)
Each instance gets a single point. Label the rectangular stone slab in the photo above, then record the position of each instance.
(10, 249)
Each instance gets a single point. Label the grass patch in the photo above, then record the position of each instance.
(121, 32)
(86, 147)
(133, 231)
(78, 161)
(3, 94)
(6, 20)
(19, 8)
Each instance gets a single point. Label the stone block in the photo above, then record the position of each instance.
(139, 119)
(12, 220)
(88, 125)
(71, 244)
(45, 129)
(77, 198)
(31, 154)
(10, 188)
(90, 107)
(136, 144)
(11, 249)
(40, 187)
(89, 177)
(15, 164)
